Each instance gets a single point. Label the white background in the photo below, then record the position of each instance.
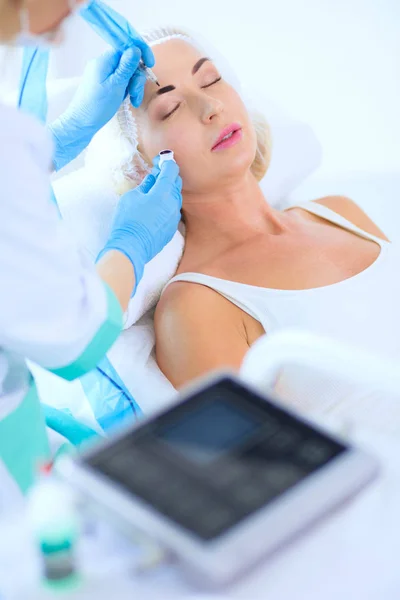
(332, 63)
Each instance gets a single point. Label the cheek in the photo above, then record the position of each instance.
(234, 103)
(186, 150)
(178, 137)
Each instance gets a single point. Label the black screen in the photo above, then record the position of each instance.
(204, 434)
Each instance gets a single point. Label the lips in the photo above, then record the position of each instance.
(228, 137)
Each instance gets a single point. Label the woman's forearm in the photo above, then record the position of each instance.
(116, 270)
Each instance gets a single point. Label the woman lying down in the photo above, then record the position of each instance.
(248, 269)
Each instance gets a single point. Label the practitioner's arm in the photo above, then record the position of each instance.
(197, 331)
(117, 271)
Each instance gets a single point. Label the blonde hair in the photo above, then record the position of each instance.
(9, 19)
(121, 135)
(262, 158)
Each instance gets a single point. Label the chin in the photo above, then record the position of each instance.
(239, 163)
(229, 165)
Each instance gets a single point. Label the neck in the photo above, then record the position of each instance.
(230, 214)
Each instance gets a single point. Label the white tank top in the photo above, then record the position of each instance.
(363, 309)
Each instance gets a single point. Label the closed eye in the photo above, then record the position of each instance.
(210, 84)
(178, 105)
(171, 112)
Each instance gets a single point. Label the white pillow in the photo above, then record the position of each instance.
(296, 151)
(87, 199)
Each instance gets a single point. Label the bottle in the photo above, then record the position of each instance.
(54, 521)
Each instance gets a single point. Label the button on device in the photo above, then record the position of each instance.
(148, 473)
(216, 519)
(252, 495)
(190, 502)
(230, 473)
(269, 426)
(200, 512)
(280, 475)
(282, 441)
(314, 452)
(171, 493)
(139, 471)
(178, 498)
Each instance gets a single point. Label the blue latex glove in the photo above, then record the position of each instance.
(147, 217)
(65, 424)
(106, 82)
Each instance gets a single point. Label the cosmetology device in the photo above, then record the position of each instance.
(221, 478)
(149, 73)
(166, 155)
(114, 29)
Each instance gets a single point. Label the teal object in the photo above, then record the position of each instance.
(56, 534)
(23, 440)
(66, 425)
(99, 345)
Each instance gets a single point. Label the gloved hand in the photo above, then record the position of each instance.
(106, 82)
(147, 217)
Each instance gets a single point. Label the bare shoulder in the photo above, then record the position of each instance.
(352, 212)
(197, 331)
(185, 301)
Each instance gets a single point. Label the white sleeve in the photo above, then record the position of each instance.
(53, 307)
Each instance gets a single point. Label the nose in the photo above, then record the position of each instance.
(212, 108)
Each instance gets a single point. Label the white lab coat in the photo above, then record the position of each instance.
(51, 302)
(54, 309)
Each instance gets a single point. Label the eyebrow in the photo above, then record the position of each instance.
(164, 90)
(199, 64)
(171, 88)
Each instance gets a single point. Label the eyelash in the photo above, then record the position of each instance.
(178, 105)
(212, 83)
